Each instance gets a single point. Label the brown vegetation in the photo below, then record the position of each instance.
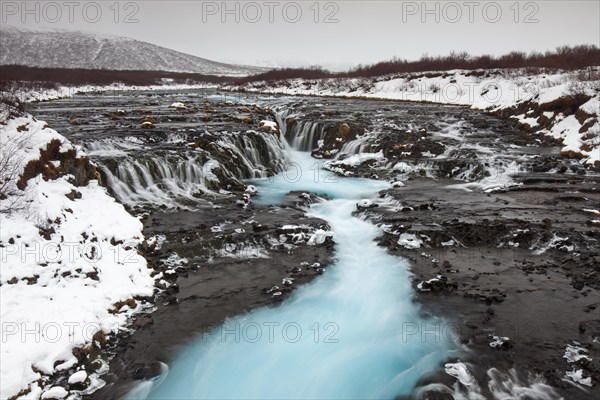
(47, 78)
(130, 302)
(564, 57)
(80, 167)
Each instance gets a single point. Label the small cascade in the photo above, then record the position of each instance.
(281, 115)
(137, 172)
(255, 155)
(307, 135)
(301, 135)
(304, 135)
(160, 180)
(357, 146)
(500, 386)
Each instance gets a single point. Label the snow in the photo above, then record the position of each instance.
(56, 292)
(339, 166)
(156, 241)
(567, 129)
(530, 121)
(423, 288)
(174, 260)
(287, 281)
(57, 392)
(61, 92)
(403, 167)
(409, 241)
(78, 377)
(178, 105)
(289, 227)
(269, 126)
(365, 203)
(592, 106)
(319, 237)
(357, 159)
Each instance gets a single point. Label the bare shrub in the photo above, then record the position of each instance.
(48, 78)
(563, 58)
(10, 101)
(12, 199)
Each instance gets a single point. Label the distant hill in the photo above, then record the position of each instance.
(61, 49)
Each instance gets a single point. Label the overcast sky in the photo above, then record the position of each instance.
(340, 34)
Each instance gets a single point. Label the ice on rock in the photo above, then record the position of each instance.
(319, 237)
(499, 341)
(574, 353)
(577, 376)
(460, 372)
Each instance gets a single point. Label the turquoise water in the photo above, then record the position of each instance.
(307, 174)
(352, 333)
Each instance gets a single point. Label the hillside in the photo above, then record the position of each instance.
(79, 50)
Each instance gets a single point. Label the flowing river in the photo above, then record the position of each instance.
(227, 323)
(353, 333)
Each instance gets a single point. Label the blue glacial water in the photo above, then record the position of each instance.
(307, 174)
(353, 333)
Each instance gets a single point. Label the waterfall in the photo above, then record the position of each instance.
(306, 135)
(301, 135)
(177, 175)
(160, 180)
(357, 146)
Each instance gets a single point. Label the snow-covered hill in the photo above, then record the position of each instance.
(70, 49)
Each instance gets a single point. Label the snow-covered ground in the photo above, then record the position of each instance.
(539, 101)
(70, 269)
(62, 92)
